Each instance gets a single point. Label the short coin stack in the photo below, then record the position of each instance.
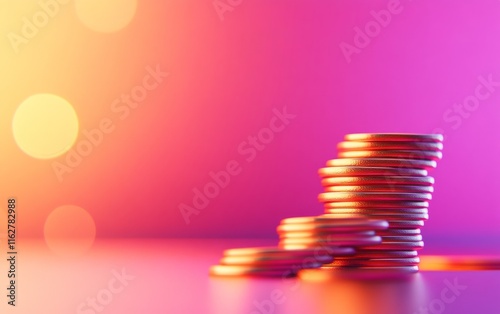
(383, 176)
(305, 243)
(329, 232)
(274, 261)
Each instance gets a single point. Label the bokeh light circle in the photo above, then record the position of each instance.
(105, 16)
(69, 231)
(45, 126)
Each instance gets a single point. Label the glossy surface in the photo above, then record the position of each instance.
(171, 276)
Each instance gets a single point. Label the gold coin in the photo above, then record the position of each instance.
(336, 222)
(395, 181)
(375, 211)
(385, 216)
(315, 233)
(381, 188)
(405, 224)
(382, 162)
(376, 196)
(402, 238)
(377, 262)
(410, 154)
(369, 171)
(358, 145)
(266, 271)
(367, 253)
(269, 252)
(414, 245)
(398, 232)
(332, 241)
(263, 261)
(377, 204)
(398, 137)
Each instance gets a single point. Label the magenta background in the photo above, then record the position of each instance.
(228, 76)
(286, 53)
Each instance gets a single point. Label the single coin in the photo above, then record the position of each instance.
(410, 154)
(396, 246)
(333, 221)
(408, 224)
(345, 263)
(381, 188)
(375, 196)
(385, 270)
(398, 232)
(358, 145)
(313, 233)
(323, 246)
(334, 251)
(397, 137)
(388, 262)
(291, 253)
(378, 262)
(377, 204)
(243, 271)
(332, 241)
(369, 171)
(273, 261)
(270, 252)
(400, 238)
(375, 211)
(247, 270)
(328, 238)
(321, 228)
(385, 254)
(389, 181)
(385, 216)
(382, 162)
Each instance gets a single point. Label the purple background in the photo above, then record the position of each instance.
(407, 79)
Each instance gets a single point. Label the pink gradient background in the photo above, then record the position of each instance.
(226, 77)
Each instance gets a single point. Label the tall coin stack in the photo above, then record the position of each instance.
(383, 176)
(376, 198)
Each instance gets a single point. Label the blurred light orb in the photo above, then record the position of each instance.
(106, 16)
(45, 126)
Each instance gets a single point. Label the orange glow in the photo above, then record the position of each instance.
(459, 262)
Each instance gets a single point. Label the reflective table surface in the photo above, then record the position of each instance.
(171, 276)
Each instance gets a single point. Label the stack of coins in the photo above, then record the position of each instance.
(275, 261)
(383, 176)
(329, 232)
(376, 198)
(305, 243)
